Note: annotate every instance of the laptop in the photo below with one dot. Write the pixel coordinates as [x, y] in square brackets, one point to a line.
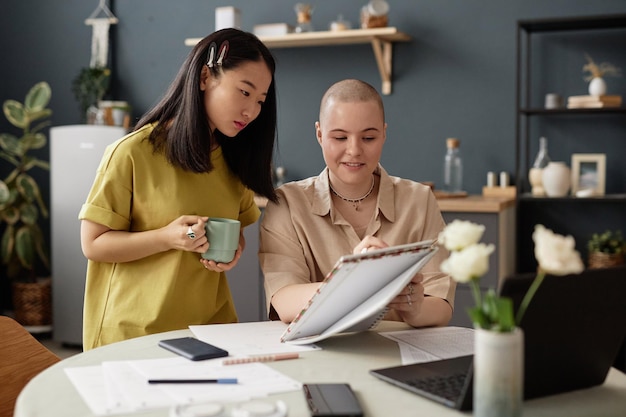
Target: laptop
[573, 330]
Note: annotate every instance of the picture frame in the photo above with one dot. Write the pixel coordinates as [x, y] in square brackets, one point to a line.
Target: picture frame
[588, 173]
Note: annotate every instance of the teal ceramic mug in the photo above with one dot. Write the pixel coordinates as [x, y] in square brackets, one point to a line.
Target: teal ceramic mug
[223, 237]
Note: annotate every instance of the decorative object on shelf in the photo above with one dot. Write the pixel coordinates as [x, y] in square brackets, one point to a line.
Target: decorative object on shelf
[227, 17]
[585, 102]
[535, 174]
[492, 189]
[374, 14]
[273, 29]
[340, 24]
[303, 17]
[113, 113]
[452, 167]
[606, 249]
[597, 85]
[556, 179]
[588, 174]
[553, 101]
[24, 250]
[498, 340]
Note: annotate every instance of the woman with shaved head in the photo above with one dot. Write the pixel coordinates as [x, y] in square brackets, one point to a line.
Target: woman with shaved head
[353, 205]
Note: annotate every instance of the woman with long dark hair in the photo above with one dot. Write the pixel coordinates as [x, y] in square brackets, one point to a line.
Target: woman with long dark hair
[202, 151]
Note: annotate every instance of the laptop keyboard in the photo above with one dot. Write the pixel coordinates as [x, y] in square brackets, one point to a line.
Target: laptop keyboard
[448, 386]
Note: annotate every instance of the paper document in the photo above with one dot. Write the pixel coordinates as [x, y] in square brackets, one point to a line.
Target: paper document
[120, 387]
[427, 345]
[241, 339]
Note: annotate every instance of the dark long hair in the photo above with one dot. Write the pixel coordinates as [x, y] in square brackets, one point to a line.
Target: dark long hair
[183, 129]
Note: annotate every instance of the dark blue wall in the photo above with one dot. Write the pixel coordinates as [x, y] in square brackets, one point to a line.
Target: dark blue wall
[455, 78]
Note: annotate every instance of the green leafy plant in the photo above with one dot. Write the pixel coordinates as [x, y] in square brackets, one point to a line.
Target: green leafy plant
[90, 85]
[20, 198]
[611, 242]
[469, 260]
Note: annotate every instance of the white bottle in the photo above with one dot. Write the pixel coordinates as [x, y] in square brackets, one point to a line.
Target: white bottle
[453, 167]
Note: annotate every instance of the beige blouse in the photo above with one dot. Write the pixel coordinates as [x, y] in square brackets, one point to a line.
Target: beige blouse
[303, 236]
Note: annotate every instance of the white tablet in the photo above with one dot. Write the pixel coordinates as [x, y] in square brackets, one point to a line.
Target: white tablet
[355, 294]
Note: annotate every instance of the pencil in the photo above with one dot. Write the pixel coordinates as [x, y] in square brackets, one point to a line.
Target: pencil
[266, 358]
[194, 381]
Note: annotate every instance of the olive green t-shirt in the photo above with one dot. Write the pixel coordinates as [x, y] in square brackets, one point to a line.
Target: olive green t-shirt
[136, 190]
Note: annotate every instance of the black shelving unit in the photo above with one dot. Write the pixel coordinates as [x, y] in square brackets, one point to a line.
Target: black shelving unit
[566, 215]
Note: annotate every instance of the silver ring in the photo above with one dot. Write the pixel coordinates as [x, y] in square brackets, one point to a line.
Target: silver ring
[411, 290]
[363, 250]
[408, 298]
[190, 234]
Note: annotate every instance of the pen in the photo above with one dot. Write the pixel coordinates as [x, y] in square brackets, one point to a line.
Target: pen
[193, 381]
[266, 358]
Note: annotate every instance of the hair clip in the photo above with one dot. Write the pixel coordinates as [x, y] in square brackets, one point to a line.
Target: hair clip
[211, 57]
[223, 50]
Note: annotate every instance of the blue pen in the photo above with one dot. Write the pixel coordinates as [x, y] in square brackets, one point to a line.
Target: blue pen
[193, 381]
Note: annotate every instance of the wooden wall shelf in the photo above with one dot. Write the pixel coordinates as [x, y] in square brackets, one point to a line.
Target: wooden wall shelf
[381, 39]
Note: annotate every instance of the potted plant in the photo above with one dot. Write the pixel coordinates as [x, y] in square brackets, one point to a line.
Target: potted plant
[23, 248]
[89, 88]
[606, 249]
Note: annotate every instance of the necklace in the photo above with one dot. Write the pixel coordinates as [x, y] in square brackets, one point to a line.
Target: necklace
[354, 201]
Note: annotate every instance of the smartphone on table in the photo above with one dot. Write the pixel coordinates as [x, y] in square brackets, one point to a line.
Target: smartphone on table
[332, 400]
[192, 348]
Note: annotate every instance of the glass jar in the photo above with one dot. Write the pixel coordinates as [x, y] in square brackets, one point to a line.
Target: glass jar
[453, 167]
[303, 17]
[374, 14]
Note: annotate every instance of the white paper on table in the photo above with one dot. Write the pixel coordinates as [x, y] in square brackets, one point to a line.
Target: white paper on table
[90, 384]
[427, 345]
[254, 380]
[243, 339]
[126, 388]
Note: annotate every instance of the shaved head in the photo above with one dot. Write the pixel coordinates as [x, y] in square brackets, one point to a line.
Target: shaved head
[349, 91]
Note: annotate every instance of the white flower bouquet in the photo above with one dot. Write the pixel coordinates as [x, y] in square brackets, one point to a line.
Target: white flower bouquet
[469, 260]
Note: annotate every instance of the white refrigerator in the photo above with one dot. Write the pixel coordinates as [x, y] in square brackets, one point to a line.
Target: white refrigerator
[75, 153]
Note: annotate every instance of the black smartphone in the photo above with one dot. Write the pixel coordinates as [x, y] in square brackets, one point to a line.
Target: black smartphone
[192, 348]
[336, 400]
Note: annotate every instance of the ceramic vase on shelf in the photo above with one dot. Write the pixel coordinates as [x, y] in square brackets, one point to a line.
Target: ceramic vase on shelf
[535, 174]
[556, 179]
[498, 373]
[597, 86]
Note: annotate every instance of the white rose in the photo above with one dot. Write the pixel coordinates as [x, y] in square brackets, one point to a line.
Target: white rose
[460, 234]
[469, 263]
[555, 253]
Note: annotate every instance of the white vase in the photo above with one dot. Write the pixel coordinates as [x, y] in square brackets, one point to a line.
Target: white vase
[535, 177]
[498, 373]
[556, 179]
[597, 86]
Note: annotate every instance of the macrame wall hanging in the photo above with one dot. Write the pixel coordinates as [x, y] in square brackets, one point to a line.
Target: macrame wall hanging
[101, 20]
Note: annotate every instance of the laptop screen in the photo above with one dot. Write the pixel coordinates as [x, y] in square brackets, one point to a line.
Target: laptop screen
[573, 328]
